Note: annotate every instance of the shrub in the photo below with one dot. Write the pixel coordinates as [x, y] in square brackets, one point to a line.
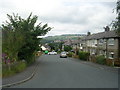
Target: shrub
[20, 67]
[101, 59]
[67, 48]
[70, 54]
[84, 56]
[75, 56]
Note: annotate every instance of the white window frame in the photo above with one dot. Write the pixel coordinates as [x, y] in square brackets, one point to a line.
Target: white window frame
[111, 44]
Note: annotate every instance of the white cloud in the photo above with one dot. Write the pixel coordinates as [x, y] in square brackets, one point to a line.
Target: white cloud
[66, 16]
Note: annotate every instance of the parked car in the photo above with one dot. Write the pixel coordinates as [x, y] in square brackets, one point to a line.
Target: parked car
[63, 55]
[52, 53]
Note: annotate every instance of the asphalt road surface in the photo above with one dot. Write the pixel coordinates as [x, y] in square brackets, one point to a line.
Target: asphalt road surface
[56, 72]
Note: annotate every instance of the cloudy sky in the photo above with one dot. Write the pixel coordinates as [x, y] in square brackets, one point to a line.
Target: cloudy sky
[66, 16]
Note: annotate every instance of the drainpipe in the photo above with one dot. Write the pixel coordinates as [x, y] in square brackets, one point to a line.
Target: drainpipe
[107, 48]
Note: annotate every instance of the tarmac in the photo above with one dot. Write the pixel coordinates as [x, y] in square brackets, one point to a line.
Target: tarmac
[30, 71]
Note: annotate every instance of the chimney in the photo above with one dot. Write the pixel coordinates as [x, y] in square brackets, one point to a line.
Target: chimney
[88, 33]
[107, 29]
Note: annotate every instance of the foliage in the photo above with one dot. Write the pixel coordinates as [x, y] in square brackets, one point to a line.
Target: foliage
[70, 54]
[20, 37]
[56, 46]
[15, 68]
[19, 67]
[100, 59]
[6, 73]
[116, 24]
[84, 55]
[52, 46]
[67, 48]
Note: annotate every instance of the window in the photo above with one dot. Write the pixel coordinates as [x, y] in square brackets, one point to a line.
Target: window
[101, 41]
[94, 43]
[93, 51]
[101, 52]
[111, 41]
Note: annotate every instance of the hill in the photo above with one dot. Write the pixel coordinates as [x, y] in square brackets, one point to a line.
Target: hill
[61, 37]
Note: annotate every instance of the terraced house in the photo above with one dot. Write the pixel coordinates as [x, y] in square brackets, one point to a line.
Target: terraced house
[106, 43]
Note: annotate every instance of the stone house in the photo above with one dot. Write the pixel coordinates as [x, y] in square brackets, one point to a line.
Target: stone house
[105, 43]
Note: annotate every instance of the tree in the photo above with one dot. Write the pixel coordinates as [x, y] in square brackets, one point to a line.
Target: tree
[20, 36]
[116, 24]
[67, 48]
[13, 38]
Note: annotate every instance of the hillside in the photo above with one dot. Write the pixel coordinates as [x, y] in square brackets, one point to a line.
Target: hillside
[61, 37]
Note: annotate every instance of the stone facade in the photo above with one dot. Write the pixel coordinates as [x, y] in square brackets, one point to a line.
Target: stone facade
[105, 43]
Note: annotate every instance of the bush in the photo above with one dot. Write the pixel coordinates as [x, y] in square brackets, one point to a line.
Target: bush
[67, 48]
[70, 54]
[84, 56]
[101, 59]
[20, 67]
[75, 56]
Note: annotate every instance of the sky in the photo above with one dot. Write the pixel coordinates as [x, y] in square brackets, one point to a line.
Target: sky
[65, 16]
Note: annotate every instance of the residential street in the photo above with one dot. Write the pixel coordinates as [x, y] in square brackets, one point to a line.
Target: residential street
[56, 72]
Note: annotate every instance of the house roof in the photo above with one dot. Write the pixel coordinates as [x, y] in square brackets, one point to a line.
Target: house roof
[102, 35]
[68, 42]
[75, 41]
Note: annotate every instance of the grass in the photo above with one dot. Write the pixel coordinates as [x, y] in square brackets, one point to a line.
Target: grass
[15, 68]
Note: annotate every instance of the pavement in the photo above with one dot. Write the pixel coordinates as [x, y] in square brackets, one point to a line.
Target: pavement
[30, 71]
[105, 67]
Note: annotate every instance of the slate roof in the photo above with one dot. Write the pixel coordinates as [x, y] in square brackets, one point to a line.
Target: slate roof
[75, 41]
[102, 35]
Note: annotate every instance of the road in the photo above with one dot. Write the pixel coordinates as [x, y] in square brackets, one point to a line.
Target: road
[55, 72]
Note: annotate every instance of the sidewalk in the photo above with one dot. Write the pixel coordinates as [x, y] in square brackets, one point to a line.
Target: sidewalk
[105, 67]
[21, 77]
[99, 66]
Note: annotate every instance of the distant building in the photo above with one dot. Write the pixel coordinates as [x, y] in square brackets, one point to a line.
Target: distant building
[43, 48]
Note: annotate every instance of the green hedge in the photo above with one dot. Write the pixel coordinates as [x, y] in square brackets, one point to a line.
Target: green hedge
[84, 55]
[101, 59]
[70, 54]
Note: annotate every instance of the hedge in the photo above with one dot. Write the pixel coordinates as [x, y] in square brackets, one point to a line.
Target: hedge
[101, 59]
[84, 55]
[70, 54]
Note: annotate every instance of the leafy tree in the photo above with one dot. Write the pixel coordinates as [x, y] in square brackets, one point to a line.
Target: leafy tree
[52, 46]
[20, 36]
[67, 48]
[116, 24]
[55, 45]
[13, 38]
[60, 45]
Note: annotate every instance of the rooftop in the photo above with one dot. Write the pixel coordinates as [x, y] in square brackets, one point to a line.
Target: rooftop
[102, 35]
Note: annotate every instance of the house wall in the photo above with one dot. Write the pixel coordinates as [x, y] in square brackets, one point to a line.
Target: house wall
[113, 48]
[101, 48]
